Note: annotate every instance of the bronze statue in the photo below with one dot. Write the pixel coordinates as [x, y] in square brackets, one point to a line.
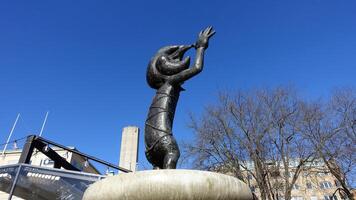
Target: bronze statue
[166, 73]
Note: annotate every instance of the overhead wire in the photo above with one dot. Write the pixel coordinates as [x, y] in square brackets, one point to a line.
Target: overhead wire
[12, 141]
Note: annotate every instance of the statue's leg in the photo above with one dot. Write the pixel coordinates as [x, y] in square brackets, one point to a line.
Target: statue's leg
[154, 152]
[170, 160]
[164, 154]
[172, 152]
[152, 157]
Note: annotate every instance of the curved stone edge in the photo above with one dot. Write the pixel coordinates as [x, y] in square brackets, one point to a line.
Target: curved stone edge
[169, 185]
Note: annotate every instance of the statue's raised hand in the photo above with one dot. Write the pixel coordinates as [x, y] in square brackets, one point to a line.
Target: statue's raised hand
[204, 36]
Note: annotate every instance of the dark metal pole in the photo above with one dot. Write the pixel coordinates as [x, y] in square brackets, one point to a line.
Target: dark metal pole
[14, 183]
[27, 149]
[84, 155]
[59, 161]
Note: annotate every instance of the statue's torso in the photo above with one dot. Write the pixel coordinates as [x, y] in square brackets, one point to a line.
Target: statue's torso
[161, 113]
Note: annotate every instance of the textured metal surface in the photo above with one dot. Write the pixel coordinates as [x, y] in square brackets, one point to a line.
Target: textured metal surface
[166, 72]
[42, 183]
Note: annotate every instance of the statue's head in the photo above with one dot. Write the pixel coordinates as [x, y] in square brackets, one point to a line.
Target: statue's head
[168, 61]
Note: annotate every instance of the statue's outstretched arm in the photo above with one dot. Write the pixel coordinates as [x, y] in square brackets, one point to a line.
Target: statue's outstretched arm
[192, 71]
[200, 46]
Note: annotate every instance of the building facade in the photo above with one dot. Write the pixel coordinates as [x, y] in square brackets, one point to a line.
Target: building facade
[313, 183]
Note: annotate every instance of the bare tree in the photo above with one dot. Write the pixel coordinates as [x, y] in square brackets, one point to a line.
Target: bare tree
[331, 129]
[254, 135]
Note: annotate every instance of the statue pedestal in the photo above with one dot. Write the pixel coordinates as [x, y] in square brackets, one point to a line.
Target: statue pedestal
[169, 185]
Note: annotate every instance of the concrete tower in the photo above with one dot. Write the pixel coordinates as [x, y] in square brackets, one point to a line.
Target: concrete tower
[129, 148]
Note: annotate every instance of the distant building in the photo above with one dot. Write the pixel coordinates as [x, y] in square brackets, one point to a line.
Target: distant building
[129, 148]
[39, 159]
[314, 183]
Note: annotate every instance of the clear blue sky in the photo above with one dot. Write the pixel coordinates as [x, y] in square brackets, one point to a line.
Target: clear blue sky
[85, 61]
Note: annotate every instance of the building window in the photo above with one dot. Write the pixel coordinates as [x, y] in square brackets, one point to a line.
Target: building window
[295, 187]
[309, 186]
[289, 174]
[275, 172]
[253, 188]
[78, 165]
[337, 183]
[316, 163]
[296, 198]
[325, 185]
[47, 163]
[323, 174]
[330, 197]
